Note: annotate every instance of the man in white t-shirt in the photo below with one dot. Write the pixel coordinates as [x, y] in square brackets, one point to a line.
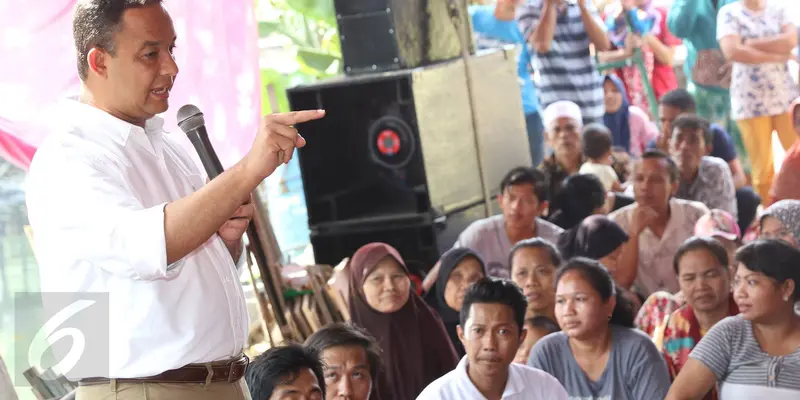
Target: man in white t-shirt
[491, 330]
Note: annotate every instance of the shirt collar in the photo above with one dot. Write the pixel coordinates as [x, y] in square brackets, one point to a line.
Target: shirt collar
[512, 385]
[118, 130]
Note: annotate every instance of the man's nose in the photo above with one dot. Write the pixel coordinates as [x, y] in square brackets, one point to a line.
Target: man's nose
[490, 342]
[345, 388]
[169, 66]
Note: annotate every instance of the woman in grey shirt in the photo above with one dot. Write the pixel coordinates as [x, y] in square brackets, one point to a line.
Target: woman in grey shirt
[598, 355]
[756, 354]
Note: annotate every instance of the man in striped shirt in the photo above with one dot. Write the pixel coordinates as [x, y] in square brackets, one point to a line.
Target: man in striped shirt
[560, 33]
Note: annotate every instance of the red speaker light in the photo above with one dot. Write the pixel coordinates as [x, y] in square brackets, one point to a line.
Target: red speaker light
[388, 142]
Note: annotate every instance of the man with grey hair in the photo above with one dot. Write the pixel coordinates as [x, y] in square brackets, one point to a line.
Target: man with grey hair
[562, 124]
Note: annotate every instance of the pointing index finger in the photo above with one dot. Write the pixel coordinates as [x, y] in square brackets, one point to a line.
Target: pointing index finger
[297, 117]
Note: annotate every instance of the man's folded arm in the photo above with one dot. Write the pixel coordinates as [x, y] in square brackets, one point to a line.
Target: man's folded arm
[85, 212]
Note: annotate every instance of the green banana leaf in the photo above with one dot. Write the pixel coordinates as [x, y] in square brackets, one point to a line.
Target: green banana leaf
[316, 9]
[317, 59]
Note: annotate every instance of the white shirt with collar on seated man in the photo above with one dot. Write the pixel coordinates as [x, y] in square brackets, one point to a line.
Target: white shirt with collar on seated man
[492, 330]
[117, 206]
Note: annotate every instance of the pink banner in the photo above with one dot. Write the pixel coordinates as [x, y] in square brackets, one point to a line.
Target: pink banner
[217, 53]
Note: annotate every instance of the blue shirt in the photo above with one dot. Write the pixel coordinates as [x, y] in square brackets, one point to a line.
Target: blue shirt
[722, 146]
[490, 33]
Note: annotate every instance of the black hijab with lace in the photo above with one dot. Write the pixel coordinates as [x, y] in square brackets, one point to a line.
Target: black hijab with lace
[595, 237]
[450, 317]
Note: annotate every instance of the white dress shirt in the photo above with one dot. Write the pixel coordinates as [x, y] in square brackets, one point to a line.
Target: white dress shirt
[524, 383]
[96, 194]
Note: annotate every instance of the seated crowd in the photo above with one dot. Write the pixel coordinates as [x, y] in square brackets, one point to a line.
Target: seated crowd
[636, 262]
[662, 298]
[653, 280]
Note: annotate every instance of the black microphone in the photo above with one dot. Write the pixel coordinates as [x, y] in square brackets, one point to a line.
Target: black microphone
[192, 123]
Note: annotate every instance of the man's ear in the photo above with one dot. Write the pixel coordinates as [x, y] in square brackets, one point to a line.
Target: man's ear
[460, 333]
[544, 208]
[675, 187]
[788, 288]
[97, 59]
[709, 148]
[523, 335]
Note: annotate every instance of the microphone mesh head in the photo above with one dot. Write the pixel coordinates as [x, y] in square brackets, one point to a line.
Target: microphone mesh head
[190, 118]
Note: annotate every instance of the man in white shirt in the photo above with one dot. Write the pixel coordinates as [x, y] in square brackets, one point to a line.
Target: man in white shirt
[118, 207]
[491, 330]
[291, 372]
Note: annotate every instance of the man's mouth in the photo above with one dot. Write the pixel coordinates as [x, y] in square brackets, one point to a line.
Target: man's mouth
[161, 92]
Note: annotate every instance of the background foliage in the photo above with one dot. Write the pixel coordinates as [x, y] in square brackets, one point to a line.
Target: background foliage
[306, 31]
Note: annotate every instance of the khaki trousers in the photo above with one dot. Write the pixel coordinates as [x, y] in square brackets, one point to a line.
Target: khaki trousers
[165, 391]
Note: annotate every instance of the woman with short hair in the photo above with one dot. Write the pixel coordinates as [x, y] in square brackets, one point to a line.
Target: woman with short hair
[756, 354]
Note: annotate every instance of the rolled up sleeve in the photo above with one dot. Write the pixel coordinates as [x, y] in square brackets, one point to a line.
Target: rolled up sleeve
[82, 211]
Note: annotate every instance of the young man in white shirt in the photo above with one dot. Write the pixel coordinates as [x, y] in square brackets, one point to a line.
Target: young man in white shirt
[117, 206]
[291, 372]
[491, 330]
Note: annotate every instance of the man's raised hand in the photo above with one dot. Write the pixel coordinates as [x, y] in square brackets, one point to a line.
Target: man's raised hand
[276, 140]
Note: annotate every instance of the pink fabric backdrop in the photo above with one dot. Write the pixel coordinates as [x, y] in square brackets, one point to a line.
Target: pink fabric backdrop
[217, 53]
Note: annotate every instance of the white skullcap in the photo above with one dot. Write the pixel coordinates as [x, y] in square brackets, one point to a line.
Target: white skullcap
[562, 109]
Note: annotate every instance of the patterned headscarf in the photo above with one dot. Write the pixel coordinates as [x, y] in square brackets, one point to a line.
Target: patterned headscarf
[788, 212]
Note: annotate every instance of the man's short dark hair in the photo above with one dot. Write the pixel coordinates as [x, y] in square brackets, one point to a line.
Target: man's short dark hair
[346, 334]
[495, 291]
[596, 140]
[536, 243]
[94, 24]
[672, 168]
[533, 176]
[680, 99]
[694, 122]
[280, 365]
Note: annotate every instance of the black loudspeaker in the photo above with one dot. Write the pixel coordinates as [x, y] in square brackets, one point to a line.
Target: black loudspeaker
[384, 35]
[420, 240]
[395, 158]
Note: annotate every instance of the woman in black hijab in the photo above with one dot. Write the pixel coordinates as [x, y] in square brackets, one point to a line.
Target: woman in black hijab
[459, 268]
[580, 196]
[597, 238]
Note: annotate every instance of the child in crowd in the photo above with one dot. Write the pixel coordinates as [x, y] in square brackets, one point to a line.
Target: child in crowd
[537, 328]
[597, 150]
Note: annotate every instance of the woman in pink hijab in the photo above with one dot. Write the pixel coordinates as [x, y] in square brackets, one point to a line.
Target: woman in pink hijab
[382, 301]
